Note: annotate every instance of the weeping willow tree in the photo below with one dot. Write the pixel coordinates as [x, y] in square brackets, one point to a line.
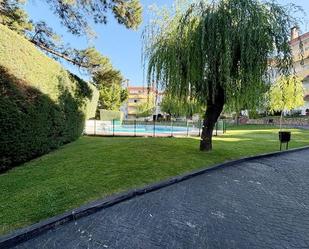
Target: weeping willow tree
[286, 94]
[219, 53]
[175, 107]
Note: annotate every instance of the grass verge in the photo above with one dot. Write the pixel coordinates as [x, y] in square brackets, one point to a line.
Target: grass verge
[95, 167]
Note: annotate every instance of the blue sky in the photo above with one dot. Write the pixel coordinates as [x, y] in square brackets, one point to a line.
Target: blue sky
[121, 45]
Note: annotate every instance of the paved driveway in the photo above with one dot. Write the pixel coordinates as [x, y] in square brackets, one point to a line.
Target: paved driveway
[259, 204]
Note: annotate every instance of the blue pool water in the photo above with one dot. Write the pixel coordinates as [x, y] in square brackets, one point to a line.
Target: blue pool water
[150, 129]
[98, 127]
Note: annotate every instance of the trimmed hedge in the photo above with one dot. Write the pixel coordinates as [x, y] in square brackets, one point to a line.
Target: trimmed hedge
[42, 106]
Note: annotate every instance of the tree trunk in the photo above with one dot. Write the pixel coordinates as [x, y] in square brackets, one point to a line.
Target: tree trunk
[237, 118]
[213, 111]
[281, 117]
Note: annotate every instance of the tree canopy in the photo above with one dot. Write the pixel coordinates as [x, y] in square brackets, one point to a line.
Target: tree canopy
[13, 16]
[219, 52]
[176, 107]
[146, 109]
[109, 83]
[286, 94]
[75, 15]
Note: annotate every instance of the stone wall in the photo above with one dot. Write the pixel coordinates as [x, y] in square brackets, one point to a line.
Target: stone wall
[304, 121]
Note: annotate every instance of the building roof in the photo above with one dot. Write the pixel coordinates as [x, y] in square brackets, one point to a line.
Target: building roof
[301, 37]
[139, 87]
[142, 88]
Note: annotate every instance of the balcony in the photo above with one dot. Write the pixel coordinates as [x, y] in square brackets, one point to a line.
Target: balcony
[139, 96]
[133, 104]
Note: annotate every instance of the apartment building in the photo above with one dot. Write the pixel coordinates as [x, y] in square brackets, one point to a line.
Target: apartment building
[301, 62]
[138, 96]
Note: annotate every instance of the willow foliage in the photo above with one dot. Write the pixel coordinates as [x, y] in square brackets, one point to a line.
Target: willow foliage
[286, 94]
[177, 108]
[227, 44]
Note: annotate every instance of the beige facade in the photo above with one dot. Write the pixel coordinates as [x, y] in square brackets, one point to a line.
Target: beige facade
[301, 62]
[137, 97]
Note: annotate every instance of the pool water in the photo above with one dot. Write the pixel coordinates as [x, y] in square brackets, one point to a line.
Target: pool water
[97, 127]
[150, 129]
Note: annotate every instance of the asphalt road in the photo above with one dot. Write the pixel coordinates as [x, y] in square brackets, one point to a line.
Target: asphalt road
[258, 204]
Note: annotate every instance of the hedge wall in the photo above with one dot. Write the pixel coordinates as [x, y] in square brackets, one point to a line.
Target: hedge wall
[42, 106]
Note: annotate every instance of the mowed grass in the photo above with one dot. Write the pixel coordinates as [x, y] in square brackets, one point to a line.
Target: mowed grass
[95, 167]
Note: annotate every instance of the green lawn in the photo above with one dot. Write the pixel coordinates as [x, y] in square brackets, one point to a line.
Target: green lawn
[95, 167]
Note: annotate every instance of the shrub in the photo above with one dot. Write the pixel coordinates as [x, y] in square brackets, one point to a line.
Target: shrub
[108, 115]
[42, 106]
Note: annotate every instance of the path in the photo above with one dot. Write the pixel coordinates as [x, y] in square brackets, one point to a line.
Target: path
[258, 204]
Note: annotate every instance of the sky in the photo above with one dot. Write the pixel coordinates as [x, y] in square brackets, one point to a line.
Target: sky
[121, 45]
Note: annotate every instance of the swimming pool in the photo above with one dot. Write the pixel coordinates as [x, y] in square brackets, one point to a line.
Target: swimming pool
[96, 127]
[149, 128]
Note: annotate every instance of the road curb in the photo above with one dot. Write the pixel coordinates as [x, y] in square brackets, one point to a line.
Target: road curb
[24, 234]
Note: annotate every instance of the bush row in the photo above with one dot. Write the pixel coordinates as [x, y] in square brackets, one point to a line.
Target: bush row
[42, 106]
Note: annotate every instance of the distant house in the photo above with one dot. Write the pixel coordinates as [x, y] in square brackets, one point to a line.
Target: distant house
[301, 62]
[138, 95]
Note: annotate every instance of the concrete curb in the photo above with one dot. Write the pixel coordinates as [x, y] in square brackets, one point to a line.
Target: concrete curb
[24, 234]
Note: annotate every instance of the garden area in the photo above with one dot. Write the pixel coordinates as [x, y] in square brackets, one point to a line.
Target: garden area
[219, 84]
[95, 167]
